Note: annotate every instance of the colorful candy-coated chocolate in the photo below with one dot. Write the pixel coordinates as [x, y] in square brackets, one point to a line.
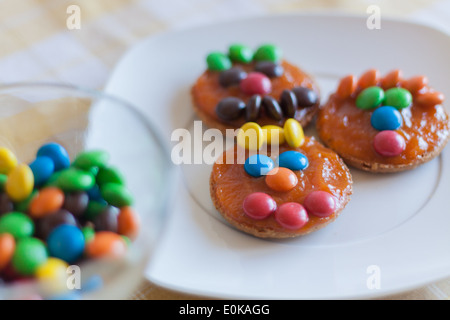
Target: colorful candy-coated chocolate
[8, 160]
[415, 84]
[240, 53]
[250, 136]
[288, 103]
[256, 83]
[386, 118]
[47, 201]
[6, 205]
[107, 219]
[273, 135]
[258, 165]
[430, 98]
[53, 275]
[29, 255]
[270, 69]
[268, 52]
[306, 97]
[45, 225]
[42, 168]
[281, 179]
[57, 153]
[293, 160]
[346, 87]
[76, 202]
[392, 79]
[66, 242]
[253, 108]
[116, 195]
[20, 182]
[7, 246]
[128, 222]
[320, 203]
[232, 76]
[217, 61]
[293, 133]
[397, 97]
[91, 158]
[369, 78]
[17, 224]
[74, 179]
[389, 143]
[259, 205]
[106, 244]
[370, 98]
[88, 233]
[230, 108]
[291, 215]
[272, 108]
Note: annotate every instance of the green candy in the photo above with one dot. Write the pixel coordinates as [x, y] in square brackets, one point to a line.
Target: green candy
[398, 98]
[218, 61]
[116, 195]
[30, 254]
[268, 52]
[88, 233]
[91, 159]
[18, 224]
[94, 208]
[240, 53]
[370, 98]
[109, 175]
[73, 179]
[3, 178]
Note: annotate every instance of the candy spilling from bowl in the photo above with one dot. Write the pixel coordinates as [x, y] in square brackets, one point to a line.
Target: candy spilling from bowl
[55, 212]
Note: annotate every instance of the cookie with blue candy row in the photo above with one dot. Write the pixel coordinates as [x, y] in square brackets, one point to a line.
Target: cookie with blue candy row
[260, 86]
[384, 124]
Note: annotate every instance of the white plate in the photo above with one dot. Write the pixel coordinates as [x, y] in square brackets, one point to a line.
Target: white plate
[395, 233]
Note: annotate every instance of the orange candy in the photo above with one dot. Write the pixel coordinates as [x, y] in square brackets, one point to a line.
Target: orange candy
[7, 246]
[415, 84]
[392, 79]
[346, 87]
[47, 201]
[106, 244]
[369, 78]
[281, 179]
[128, 222]
[430, 98]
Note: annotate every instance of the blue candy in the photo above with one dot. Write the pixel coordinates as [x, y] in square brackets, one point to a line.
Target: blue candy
[66, 242]
[57, 153]
[386, 118]
[293, 160]
[258, 165]
[42, 168]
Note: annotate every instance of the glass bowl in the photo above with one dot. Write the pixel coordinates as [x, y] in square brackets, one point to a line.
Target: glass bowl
[32, 114]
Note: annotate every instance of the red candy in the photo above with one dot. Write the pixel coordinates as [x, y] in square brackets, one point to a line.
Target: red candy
[291, 215]
[389, 143]
[256, 83]
[259, 205]
[320, 203]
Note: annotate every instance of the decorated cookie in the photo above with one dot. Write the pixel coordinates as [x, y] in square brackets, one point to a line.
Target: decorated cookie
[260, 86]
[280, 185]
[384, 124]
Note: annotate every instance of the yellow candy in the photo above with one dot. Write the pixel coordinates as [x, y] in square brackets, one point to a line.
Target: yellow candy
[250, 136]
[8, 160]
[273, 135]
[20, 183]
[53, 275]
[293, 133]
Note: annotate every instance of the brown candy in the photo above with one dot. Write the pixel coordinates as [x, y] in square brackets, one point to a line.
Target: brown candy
[230, 108]
[305, 97]
[288, 103]
[45, 225]
[107, 219]
[6, 205]
[76, 203]
[272, 108]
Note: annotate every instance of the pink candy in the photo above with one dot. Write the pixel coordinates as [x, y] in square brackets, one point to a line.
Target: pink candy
[320, 203]
[259, 205]
[291, 215]
[389, 143]
[256, 83]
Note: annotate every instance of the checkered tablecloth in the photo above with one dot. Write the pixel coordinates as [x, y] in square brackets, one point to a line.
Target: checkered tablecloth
[41, 41]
